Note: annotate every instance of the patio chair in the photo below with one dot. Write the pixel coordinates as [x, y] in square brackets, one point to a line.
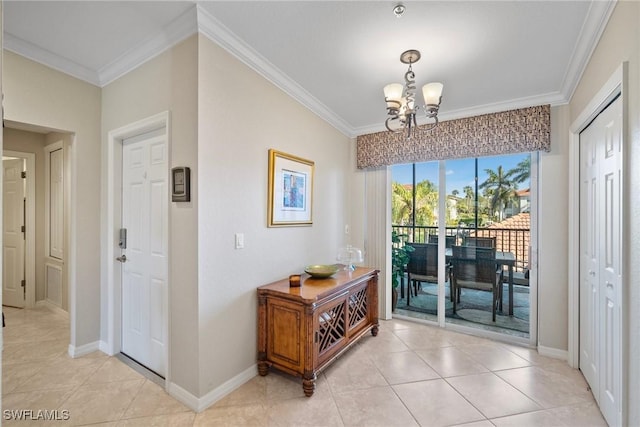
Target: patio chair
[423, 267]
[449, 240]
[474, 267]
[483, 242]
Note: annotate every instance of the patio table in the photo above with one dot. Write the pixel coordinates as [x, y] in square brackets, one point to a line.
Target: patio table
[502, 258]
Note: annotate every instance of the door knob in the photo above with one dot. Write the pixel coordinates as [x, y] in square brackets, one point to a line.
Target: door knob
[122, 258]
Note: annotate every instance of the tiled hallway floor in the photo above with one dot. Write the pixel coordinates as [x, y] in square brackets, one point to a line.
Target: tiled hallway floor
[410, 374]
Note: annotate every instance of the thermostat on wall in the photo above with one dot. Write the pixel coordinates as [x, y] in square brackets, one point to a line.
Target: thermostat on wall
[181, 185]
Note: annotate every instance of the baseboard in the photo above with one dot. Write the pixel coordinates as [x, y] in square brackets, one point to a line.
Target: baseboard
[83, 350]
[553, 352]
[103, 346]
[202, 403]
[52, 307]
[227, 387]
[182, 395]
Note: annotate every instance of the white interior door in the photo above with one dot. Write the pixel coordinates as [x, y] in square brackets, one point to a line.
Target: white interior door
[589, 289]
[144, 272]
[13, 243]
[600, 264]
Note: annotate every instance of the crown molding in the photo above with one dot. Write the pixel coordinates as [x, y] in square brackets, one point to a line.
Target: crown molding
[214, 30]
[592, 29]
[172, 34]
[197, 19]
[49, 59]
[176, 31]
[553, 99]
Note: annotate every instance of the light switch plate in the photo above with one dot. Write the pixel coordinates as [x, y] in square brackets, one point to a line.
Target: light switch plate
[239, 240]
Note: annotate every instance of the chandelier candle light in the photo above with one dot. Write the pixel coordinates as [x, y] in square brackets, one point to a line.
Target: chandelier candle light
[401, 100]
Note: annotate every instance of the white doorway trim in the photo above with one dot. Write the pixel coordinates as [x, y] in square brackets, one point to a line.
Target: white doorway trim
[113, 223]
[615, 85]
[30, 213]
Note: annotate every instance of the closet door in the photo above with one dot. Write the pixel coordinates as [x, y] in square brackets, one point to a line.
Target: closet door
[589, 288]
[600, 259]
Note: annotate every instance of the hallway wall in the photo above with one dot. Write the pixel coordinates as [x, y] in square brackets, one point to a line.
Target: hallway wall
[234, 137]
[166, 83]
[38, 95]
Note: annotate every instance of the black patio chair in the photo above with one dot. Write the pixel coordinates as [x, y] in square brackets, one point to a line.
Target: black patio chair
[474, 267]
[423, 267]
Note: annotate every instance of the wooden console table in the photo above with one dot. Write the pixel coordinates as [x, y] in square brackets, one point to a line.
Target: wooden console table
[303, 329]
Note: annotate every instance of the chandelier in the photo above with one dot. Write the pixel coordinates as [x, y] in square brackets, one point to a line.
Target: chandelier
[401, 100]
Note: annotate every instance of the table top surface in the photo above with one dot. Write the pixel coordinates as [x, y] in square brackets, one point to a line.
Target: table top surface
[506, 258]
[312, 289]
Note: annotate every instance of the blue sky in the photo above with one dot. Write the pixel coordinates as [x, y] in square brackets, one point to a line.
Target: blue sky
[460, 172]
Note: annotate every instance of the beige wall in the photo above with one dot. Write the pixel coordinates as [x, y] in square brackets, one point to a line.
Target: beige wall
[241, 116]
[209, 114]
[552, 236]
[38, 95]
[621, 42]
[31, 142]
[167, 83]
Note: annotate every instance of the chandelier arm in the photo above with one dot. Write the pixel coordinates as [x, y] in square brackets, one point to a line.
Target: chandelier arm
[395, 108]
[389, 128]
[432, 125]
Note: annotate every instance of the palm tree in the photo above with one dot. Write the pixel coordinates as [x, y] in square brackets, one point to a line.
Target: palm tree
[468, 196]
[426, 202]
[522, 171]
[402, 204]
[500, 189]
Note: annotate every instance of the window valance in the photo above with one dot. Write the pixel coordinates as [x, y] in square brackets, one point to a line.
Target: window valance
[507, 132]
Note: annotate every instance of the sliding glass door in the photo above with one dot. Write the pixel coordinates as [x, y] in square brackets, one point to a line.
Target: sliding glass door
[415, 192]
[486, 201]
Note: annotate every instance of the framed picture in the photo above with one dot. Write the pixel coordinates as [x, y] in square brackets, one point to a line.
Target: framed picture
[290, 190]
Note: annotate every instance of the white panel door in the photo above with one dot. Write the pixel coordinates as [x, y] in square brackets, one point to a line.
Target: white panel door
[13, 237]
[610, 273]
[589, 288]
[601, 266]
[56, 204]
[144, 273]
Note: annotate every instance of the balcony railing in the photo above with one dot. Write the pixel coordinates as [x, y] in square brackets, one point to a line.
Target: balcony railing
[514, 240]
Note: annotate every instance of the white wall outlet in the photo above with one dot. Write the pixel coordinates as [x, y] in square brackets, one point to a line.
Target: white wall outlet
[346, 229]
[239, 240]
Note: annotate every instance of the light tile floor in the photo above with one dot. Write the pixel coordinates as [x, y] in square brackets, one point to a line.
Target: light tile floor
[410, 374]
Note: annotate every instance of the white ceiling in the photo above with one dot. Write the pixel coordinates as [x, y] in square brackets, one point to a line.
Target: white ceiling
[334, 57]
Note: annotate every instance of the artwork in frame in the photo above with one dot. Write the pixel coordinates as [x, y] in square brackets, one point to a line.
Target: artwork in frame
[290, 190]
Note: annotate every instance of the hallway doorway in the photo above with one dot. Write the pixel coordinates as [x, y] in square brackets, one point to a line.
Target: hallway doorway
[38, 212]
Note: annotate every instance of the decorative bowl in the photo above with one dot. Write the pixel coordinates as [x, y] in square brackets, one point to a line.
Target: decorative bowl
[321, 271]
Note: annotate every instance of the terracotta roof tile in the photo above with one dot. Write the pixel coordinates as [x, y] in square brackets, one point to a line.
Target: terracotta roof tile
[512, 235]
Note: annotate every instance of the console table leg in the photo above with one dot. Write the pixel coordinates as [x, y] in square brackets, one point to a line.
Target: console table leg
[263, 368]
[309, 385]
[374, 330]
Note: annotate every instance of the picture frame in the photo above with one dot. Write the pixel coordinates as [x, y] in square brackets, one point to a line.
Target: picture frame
[290, 190]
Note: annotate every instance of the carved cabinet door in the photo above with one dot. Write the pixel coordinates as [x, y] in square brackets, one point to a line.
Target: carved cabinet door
[330, 325]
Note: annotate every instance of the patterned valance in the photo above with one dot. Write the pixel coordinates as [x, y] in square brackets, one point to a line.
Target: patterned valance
[507, 132]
